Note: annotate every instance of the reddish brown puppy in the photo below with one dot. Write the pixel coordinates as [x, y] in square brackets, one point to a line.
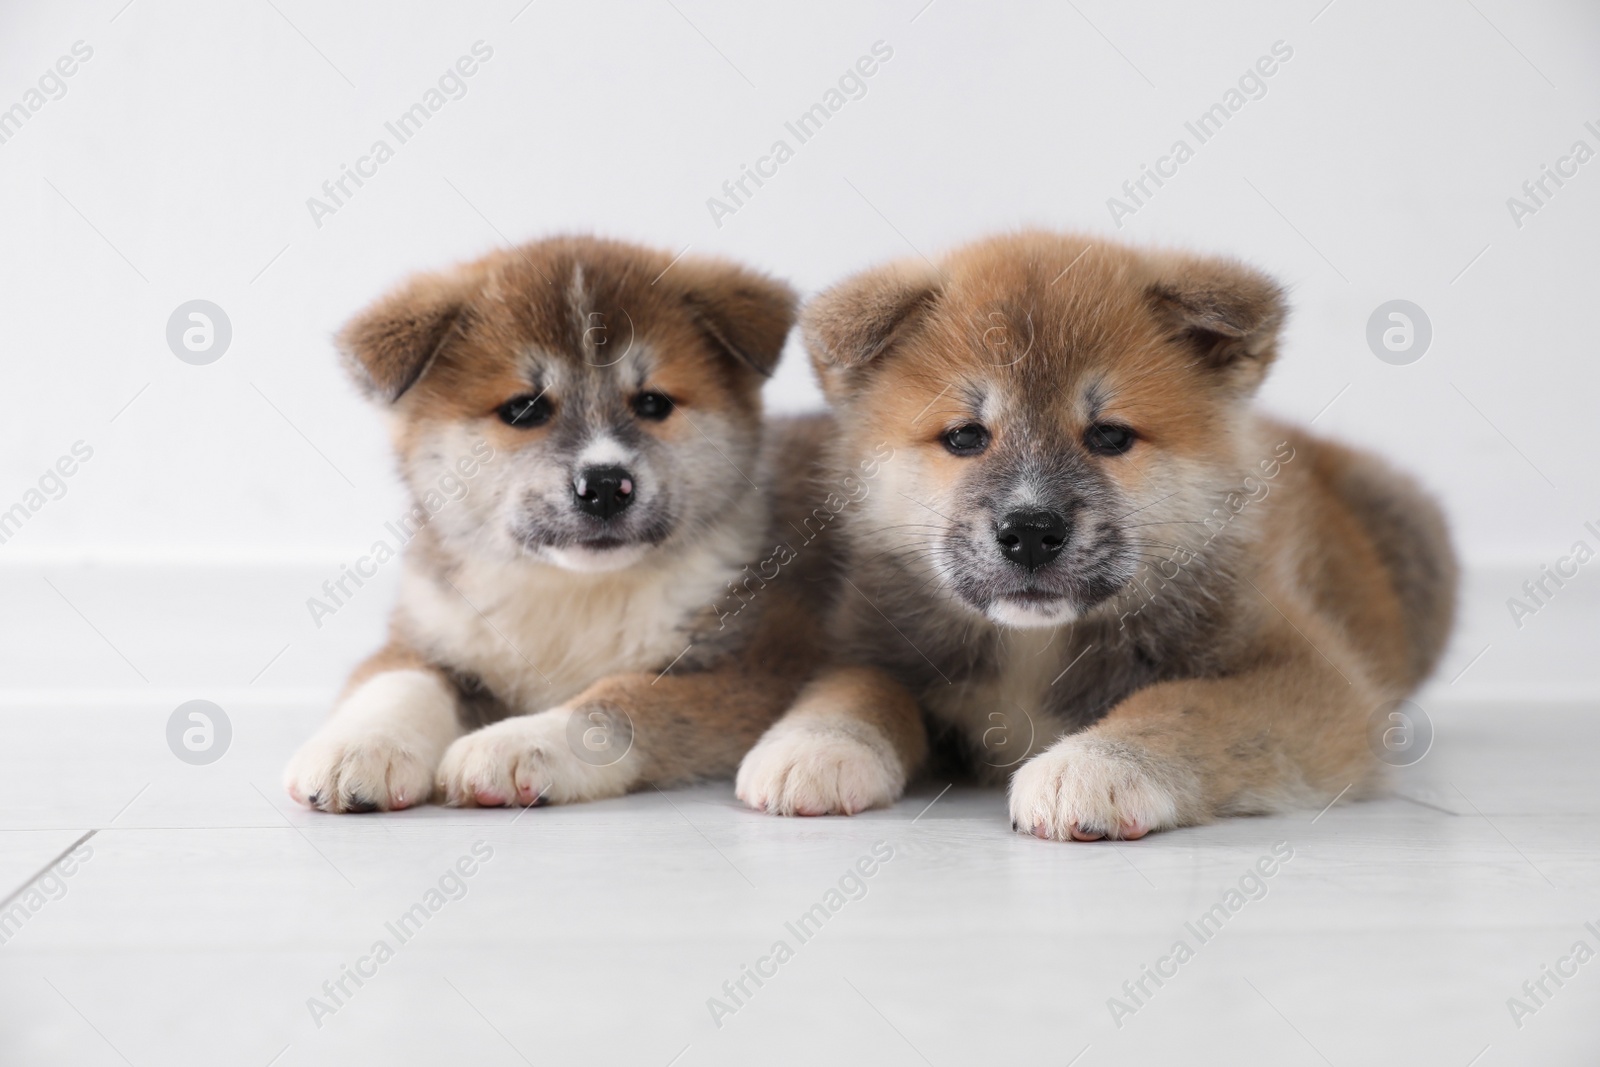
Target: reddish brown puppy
[1091, 567]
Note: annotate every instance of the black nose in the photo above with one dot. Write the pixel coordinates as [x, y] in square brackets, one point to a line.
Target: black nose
[1031, 538]
[602, 491]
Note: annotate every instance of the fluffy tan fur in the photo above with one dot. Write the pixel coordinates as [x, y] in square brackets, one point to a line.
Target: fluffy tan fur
[1236, 598]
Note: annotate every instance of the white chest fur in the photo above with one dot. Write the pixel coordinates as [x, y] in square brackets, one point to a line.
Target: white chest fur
[1004, 712]
[539, 635]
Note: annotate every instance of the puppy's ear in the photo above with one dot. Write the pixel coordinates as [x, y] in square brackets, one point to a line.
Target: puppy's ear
[853, 323]
[745, 314]
[389, 346]
[1228, 313]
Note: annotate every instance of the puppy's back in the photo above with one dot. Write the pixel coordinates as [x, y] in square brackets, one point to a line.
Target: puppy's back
[809, 501]
[1389, 548]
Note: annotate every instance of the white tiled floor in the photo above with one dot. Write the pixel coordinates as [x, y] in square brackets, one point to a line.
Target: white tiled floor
[211, 910]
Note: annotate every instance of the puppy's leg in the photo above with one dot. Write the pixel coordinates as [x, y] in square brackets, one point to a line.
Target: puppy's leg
[623, 733]
[1185, 752]
[386, 735]
[848, 744]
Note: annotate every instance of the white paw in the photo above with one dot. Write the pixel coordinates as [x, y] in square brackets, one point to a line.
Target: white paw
[359, 772]
[540, 759]
[1084, 789]
[378, 751]
[813, 770]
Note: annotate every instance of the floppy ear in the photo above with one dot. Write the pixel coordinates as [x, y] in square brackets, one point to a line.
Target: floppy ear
[389, 346]
[851, 324]
[745, 314]
[1228, 313]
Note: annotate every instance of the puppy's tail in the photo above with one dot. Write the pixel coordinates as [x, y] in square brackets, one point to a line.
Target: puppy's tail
[1412, 540]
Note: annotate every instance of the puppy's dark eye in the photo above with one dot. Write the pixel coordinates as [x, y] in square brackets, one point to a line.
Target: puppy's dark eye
[1109, 439]
[525, 412]
[967, 440]
[653, 406]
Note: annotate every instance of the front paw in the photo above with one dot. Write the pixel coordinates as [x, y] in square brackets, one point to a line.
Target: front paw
[1085, 789]
[358, 770]
[561, 756]
[808, 770]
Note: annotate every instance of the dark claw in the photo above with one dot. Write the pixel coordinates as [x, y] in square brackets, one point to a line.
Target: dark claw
[361, 805]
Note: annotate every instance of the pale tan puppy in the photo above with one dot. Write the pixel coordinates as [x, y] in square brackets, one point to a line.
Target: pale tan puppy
[579, 424]
[1093, 568]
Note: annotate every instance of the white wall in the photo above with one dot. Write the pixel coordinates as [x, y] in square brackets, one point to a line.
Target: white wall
[178, 165]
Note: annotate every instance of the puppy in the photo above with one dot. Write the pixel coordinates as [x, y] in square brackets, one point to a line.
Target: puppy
[579, 425]
[1090, 564]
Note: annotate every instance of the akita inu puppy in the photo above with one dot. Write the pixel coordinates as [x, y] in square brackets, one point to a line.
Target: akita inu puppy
[591, 412]
[1092, 566]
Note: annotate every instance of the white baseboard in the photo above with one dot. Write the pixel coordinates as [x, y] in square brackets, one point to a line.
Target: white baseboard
[78, 631]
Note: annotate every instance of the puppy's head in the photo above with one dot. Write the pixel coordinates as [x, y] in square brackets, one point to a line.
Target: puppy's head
[1062, 411]
[616, 392]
